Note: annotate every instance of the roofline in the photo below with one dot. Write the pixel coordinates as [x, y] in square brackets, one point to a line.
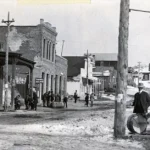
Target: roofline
[17, 55]
[61, 57]
[21, 26]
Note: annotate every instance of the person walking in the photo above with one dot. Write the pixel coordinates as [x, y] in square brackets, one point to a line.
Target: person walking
[48, 98]
[141, 102]
[92, 99]
[44, 96]
[35, 100]
[65, 100]
[75, 96]
[17, 102]
[87, 99]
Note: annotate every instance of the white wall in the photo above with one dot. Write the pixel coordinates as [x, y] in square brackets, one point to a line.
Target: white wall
[72, 86]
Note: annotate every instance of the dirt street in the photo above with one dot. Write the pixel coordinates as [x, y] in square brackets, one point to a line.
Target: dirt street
[76, 128]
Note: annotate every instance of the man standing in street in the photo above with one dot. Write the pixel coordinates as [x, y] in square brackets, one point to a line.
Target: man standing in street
[87, 99]
[35, 99]
[65, 100]
[75, 96]
[92, 99]
[141, 102]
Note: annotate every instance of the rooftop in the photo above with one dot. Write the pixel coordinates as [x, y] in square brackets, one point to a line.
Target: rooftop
[74, 65]
[105, 56]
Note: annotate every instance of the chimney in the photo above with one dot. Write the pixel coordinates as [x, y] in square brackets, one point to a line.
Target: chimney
[41, 21]
[54, 28]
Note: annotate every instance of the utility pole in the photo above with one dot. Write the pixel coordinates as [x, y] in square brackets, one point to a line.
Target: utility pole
[87, 74]
[139, 68]
[7, 22]
[63, 41]
[122, 71]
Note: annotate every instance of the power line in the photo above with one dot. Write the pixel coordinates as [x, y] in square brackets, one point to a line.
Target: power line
[145, 11]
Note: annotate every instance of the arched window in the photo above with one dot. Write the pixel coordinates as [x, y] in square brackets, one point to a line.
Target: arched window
[44, 48]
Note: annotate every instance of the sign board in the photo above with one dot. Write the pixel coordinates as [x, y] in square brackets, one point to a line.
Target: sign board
[39, 80]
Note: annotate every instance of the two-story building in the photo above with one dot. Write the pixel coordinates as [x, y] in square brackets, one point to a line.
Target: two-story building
[38, 43]
[77, 75]
[105, 69]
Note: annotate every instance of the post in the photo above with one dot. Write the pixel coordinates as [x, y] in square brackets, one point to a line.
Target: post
[139, 68]
[13, 83]
[87, 75]
[62, 47]
[8, 22]
[31, 82]
[1, 85]
[122, 71]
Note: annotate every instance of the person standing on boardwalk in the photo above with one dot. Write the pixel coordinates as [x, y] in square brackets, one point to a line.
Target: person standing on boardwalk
[44, 98]
[141, 102]
[35, 100]
[65, 100]
[48, 98]
[92, 99]
[52, 98]
[87, 99]
[75, 96]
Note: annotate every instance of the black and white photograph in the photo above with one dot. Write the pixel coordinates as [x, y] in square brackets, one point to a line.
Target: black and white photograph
[74, 74]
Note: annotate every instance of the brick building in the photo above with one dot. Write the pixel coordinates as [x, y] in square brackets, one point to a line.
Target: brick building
[38, 43]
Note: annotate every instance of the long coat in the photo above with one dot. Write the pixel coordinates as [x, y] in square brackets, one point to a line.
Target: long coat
[141, 102]
[35, 98]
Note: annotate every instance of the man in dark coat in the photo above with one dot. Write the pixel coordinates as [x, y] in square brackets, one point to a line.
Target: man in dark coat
[141, 101]
[35, 100]
[87, 99]
[44, 98]
[75, 96]
[65, 100]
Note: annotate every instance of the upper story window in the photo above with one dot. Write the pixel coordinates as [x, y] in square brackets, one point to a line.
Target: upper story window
[97, 63]
[44, 48]
[53, 52]
[1, 46]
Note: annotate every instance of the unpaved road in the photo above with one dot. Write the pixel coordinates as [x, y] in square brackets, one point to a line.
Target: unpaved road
[75, 128]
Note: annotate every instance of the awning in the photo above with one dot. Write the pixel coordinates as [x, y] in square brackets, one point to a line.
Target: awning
[84, 81]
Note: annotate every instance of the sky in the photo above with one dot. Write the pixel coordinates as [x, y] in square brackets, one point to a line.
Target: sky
[93, 26]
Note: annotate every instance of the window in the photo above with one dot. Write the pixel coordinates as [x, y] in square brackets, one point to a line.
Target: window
[1, 46]
[49, 50]
[47, 55]
[43, 77]
[43, 48]
[146, 77]
[47, 82]
[53, 52]
[101, 63]
[97, 63]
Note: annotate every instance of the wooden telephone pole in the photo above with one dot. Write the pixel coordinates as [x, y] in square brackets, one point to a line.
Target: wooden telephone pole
[122, 71]
[7, 22]
[87, 74]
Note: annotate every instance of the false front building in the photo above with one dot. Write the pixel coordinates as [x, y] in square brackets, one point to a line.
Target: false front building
[37, 43]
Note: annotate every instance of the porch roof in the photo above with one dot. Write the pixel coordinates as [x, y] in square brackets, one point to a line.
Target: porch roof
[19, 60]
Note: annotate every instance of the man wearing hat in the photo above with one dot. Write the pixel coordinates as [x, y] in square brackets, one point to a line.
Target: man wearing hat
[141, 103]
[141, 100]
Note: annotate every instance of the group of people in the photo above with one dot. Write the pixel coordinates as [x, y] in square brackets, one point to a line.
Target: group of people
[88, 97]
[31, 102]
[48, 98]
